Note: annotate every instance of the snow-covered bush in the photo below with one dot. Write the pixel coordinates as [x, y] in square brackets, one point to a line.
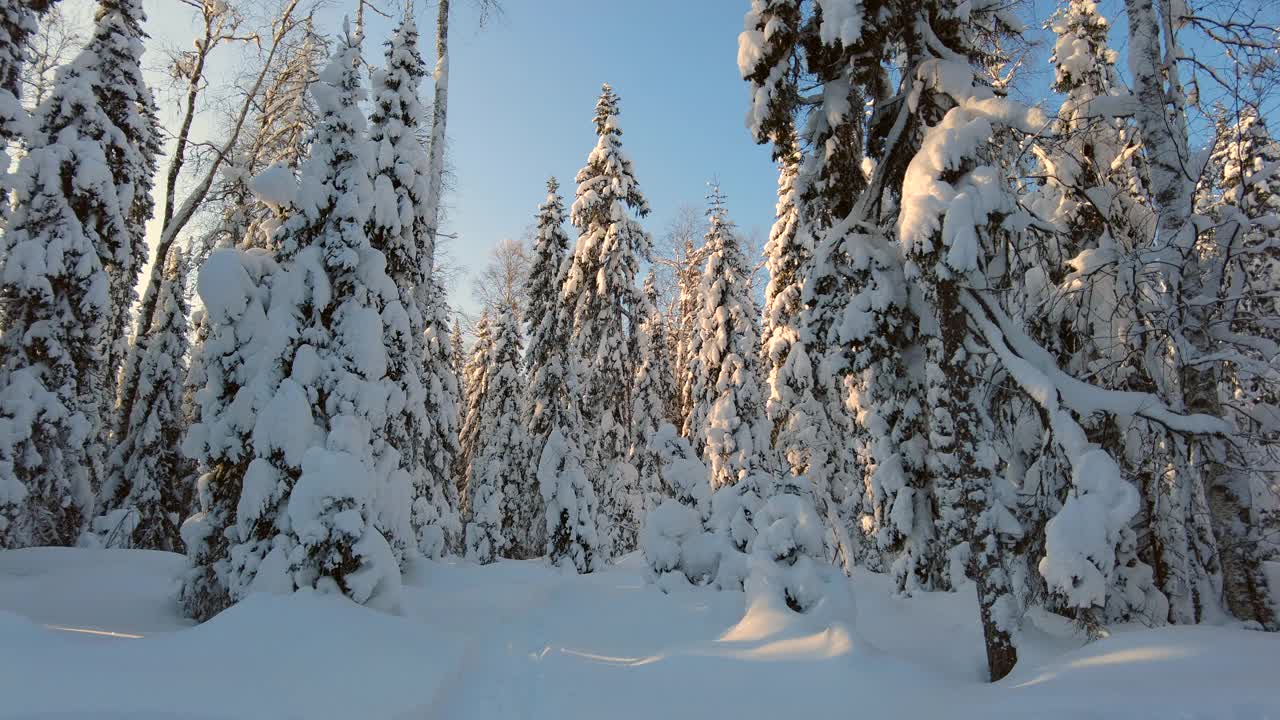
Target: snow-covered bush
[761, 530]
[787, 565]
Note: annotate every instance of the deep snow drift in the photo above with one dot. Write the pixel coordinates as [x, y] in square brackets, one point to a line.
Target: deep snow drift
[95, 634]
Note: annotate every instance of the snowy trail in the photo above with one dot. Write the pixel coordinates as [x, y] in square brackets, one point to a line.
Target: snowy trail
[520, 640]
[503, 651]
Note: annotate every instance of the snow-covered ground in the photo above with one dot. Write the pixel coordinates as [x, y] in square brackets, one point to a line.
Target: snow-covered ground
[95, 634]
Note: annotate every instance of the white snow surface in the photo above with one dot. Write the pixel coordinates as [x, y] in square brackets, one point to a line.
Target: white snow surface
[96, 634]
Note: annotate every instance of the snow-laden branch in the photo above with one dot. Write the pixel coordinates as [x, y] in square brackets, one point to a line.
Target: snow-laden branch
[1082, 397]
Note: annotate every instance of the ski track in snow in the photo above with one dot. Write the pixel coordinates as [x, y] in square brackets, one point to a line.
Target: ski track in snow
[521, 640]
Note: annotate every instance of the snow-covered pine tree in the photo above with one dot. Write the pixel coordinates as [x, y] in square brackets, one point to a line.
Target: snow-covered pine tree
[727, 423]
[498, 486]
[829, 180]
[688, 278]
[654, 386]
[568, 526]
[54, 319]
[473, 374]
[110, 68]
[442, 508]
[399, 229]
[307, 512]
[548, 400]
[235, 367]
[800, 434]
[143, 501]
[598, 298]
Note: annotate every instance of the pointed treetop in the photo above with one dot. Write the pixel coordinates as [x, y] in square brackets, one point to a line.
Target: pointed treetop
[553, 186]
[606, 111]
[717, 212]
[651, 288]
[405, 34]
[407, 24]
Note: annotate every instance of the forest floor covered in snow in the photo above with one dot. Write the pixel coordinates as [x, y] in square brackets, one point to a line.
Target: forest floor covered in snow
[96, 634]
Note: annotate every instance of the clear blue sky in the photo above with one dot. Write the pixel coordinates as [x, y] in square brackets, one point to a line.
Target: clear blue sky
[524, 87]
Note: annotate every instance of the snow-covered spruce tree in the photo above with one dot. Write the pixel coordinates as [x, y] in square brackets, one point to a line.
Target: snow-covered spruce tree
[761, 534]
[498, 487]
[439, 512]
[779, 48]
[473, 374]
[194, 380]
[856, 308]
[598, 298]
[98, 127]
[307, 512]
[110, 68]
[556, 432]
[54, 317]
[697, 536]
[769, 58]
[235, 365]
[399, 229]
[654, 386]
[800, 431]
[678, 550]
[143, 501]
[17, 25]
[688, 277]
[787, 564]
[727, 421]
[548, 400]
[849, 295]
